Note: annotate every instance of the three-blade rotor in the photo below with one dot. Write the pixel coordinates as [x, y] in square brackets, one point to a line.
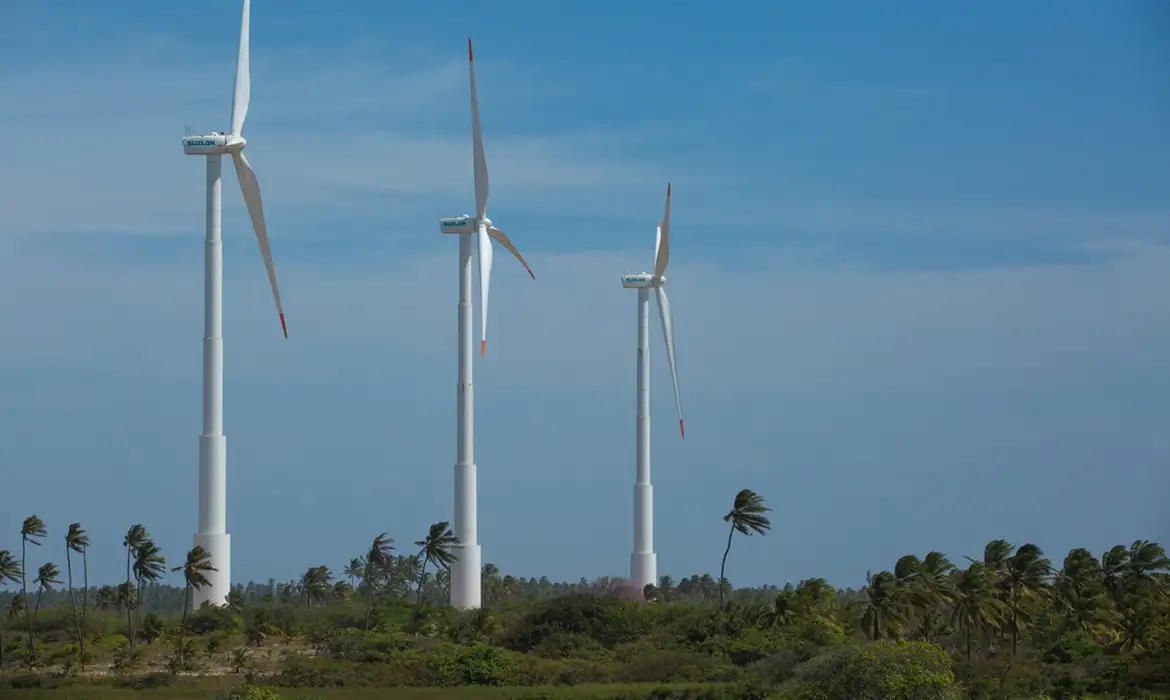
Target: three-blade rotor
[485, 232]
[661, 260]
[249, 185]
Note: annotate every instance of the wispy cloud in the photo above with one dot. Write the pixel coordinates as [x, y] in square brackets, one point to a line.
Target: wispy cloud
[323, 129]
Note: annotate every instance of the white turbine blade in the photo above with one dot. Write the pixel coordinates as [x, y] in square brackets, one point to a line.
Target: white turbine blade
[668, 333]
[503, 239]
[243, 91]
[662, 256]
[485, 283]
[251, 189]
[481, 170]
[657, 242]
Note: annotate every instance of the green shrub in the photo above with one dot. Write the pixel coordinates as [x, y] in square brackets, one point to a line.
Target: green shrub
[884, 670]
[249, 692]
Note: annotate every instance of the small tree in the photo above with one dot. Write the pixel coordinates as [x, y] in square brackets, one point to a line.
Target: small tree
[195, 571]
[746, 516]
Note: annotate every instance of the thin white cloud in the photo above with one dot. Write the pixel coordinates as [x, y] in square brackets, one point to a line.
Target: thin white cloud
[100, 145]
[787, 322]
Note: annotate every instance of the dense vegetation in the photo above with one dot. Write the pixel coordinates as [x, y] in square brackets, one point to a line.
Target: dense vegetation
[1007, 624]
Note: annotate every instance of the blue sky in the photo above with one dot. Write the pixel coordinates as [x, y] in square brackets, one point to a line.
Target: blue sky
[919, 275]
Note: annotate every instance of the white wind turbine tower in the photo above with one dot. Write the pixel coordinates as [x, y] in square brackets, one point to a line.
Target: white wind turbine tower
[465, 572]
[212, 533]
[643, 561]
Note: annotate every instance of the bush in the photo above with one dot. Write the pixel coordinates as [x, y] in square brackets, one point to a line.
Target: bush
[884, 670]
[249, 692]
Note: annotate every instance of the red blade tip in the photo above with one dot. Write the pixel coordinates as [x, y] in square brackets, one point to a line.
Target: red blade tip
[668, 189]
[483, 347]
[681, 430]
[470, 57]
[530, 274]
[282, 326]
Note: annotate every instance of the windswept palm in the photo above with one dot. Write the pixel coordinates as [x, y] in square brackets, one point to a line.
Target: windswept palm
[315, 584]
[746, 516]
[195, 571]
[47, 577]
[885, 605]
[436, 549]
[354, 570]
[77, 542]
[134, 538]
[976, 606]
[32, 531]
[378, 562]
[1025, 574]
[9, 572]
[149, 567]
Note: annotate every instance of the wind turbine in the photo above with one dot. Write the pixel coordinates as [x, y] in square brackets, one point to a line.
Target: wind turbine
[643, 561]
[212, 533]
[465, 572]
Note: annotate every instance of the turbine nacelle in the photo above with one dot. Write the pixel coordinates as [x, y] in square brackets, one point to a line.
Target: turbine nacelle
[461, 224]
[641, 280]
[213, 144]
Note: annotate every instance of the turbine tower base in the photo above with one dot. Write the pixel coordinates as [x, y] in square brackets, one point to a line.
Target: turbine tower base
[220, 548]
[643, 571]
[466, 577]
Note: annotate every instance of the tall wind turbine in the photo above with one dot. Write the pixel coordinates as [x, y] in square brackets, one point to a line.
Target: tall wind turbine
[643, 561]
[212, 534]
[465, 572]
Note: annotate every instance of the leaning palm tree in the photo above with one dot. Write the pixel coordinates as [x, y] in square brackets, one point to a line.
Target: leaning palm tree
[45, 580]
[1025, 574]
[12, 614]
[314, 584]
[746, 516]
[885, 605]
[135, 536]
[195, 571]
[436, 549]
[354, 570]
[32, 531]
[9, 572]
[76, 541]
[378, 562]
[149, 567]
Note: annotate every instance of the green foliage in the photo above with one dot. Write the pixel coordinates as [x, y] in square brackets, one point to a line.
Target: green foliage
[884, 670]
[250, 692]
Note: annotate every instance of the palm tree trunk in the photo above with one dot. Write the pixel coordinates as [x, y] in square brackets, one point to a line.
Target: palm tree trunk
[1015, 620]
[84, 600]
[32, 644]
[72, 600]
[421, 578]
[369, 601]
[183, 624]
[723, 565]
[129, 604]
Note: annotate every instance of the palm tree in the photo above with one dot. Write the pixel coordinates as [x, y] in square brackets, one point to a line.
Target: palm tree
[378, 561]
[1145, 565]
[195, 571]
[315, 584]
[933, 587]
[354, 570]
[16, 608]
[135, 536]
[46, 578]
[10, 570]
[746, 516]
[1081, 593]
[77, 541]
[149, 566]
[436, 549]
[1025, 574]
[976, 605]
[32, 531]
[885, 605]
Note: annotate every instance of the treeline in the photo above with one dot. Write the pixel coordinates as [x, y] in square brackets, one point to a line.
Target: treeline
[1009, 622]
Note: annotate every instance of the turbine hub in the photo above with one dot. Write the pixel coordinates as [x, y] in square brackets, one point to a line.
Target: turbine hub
[236, 143]
[484, 222]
